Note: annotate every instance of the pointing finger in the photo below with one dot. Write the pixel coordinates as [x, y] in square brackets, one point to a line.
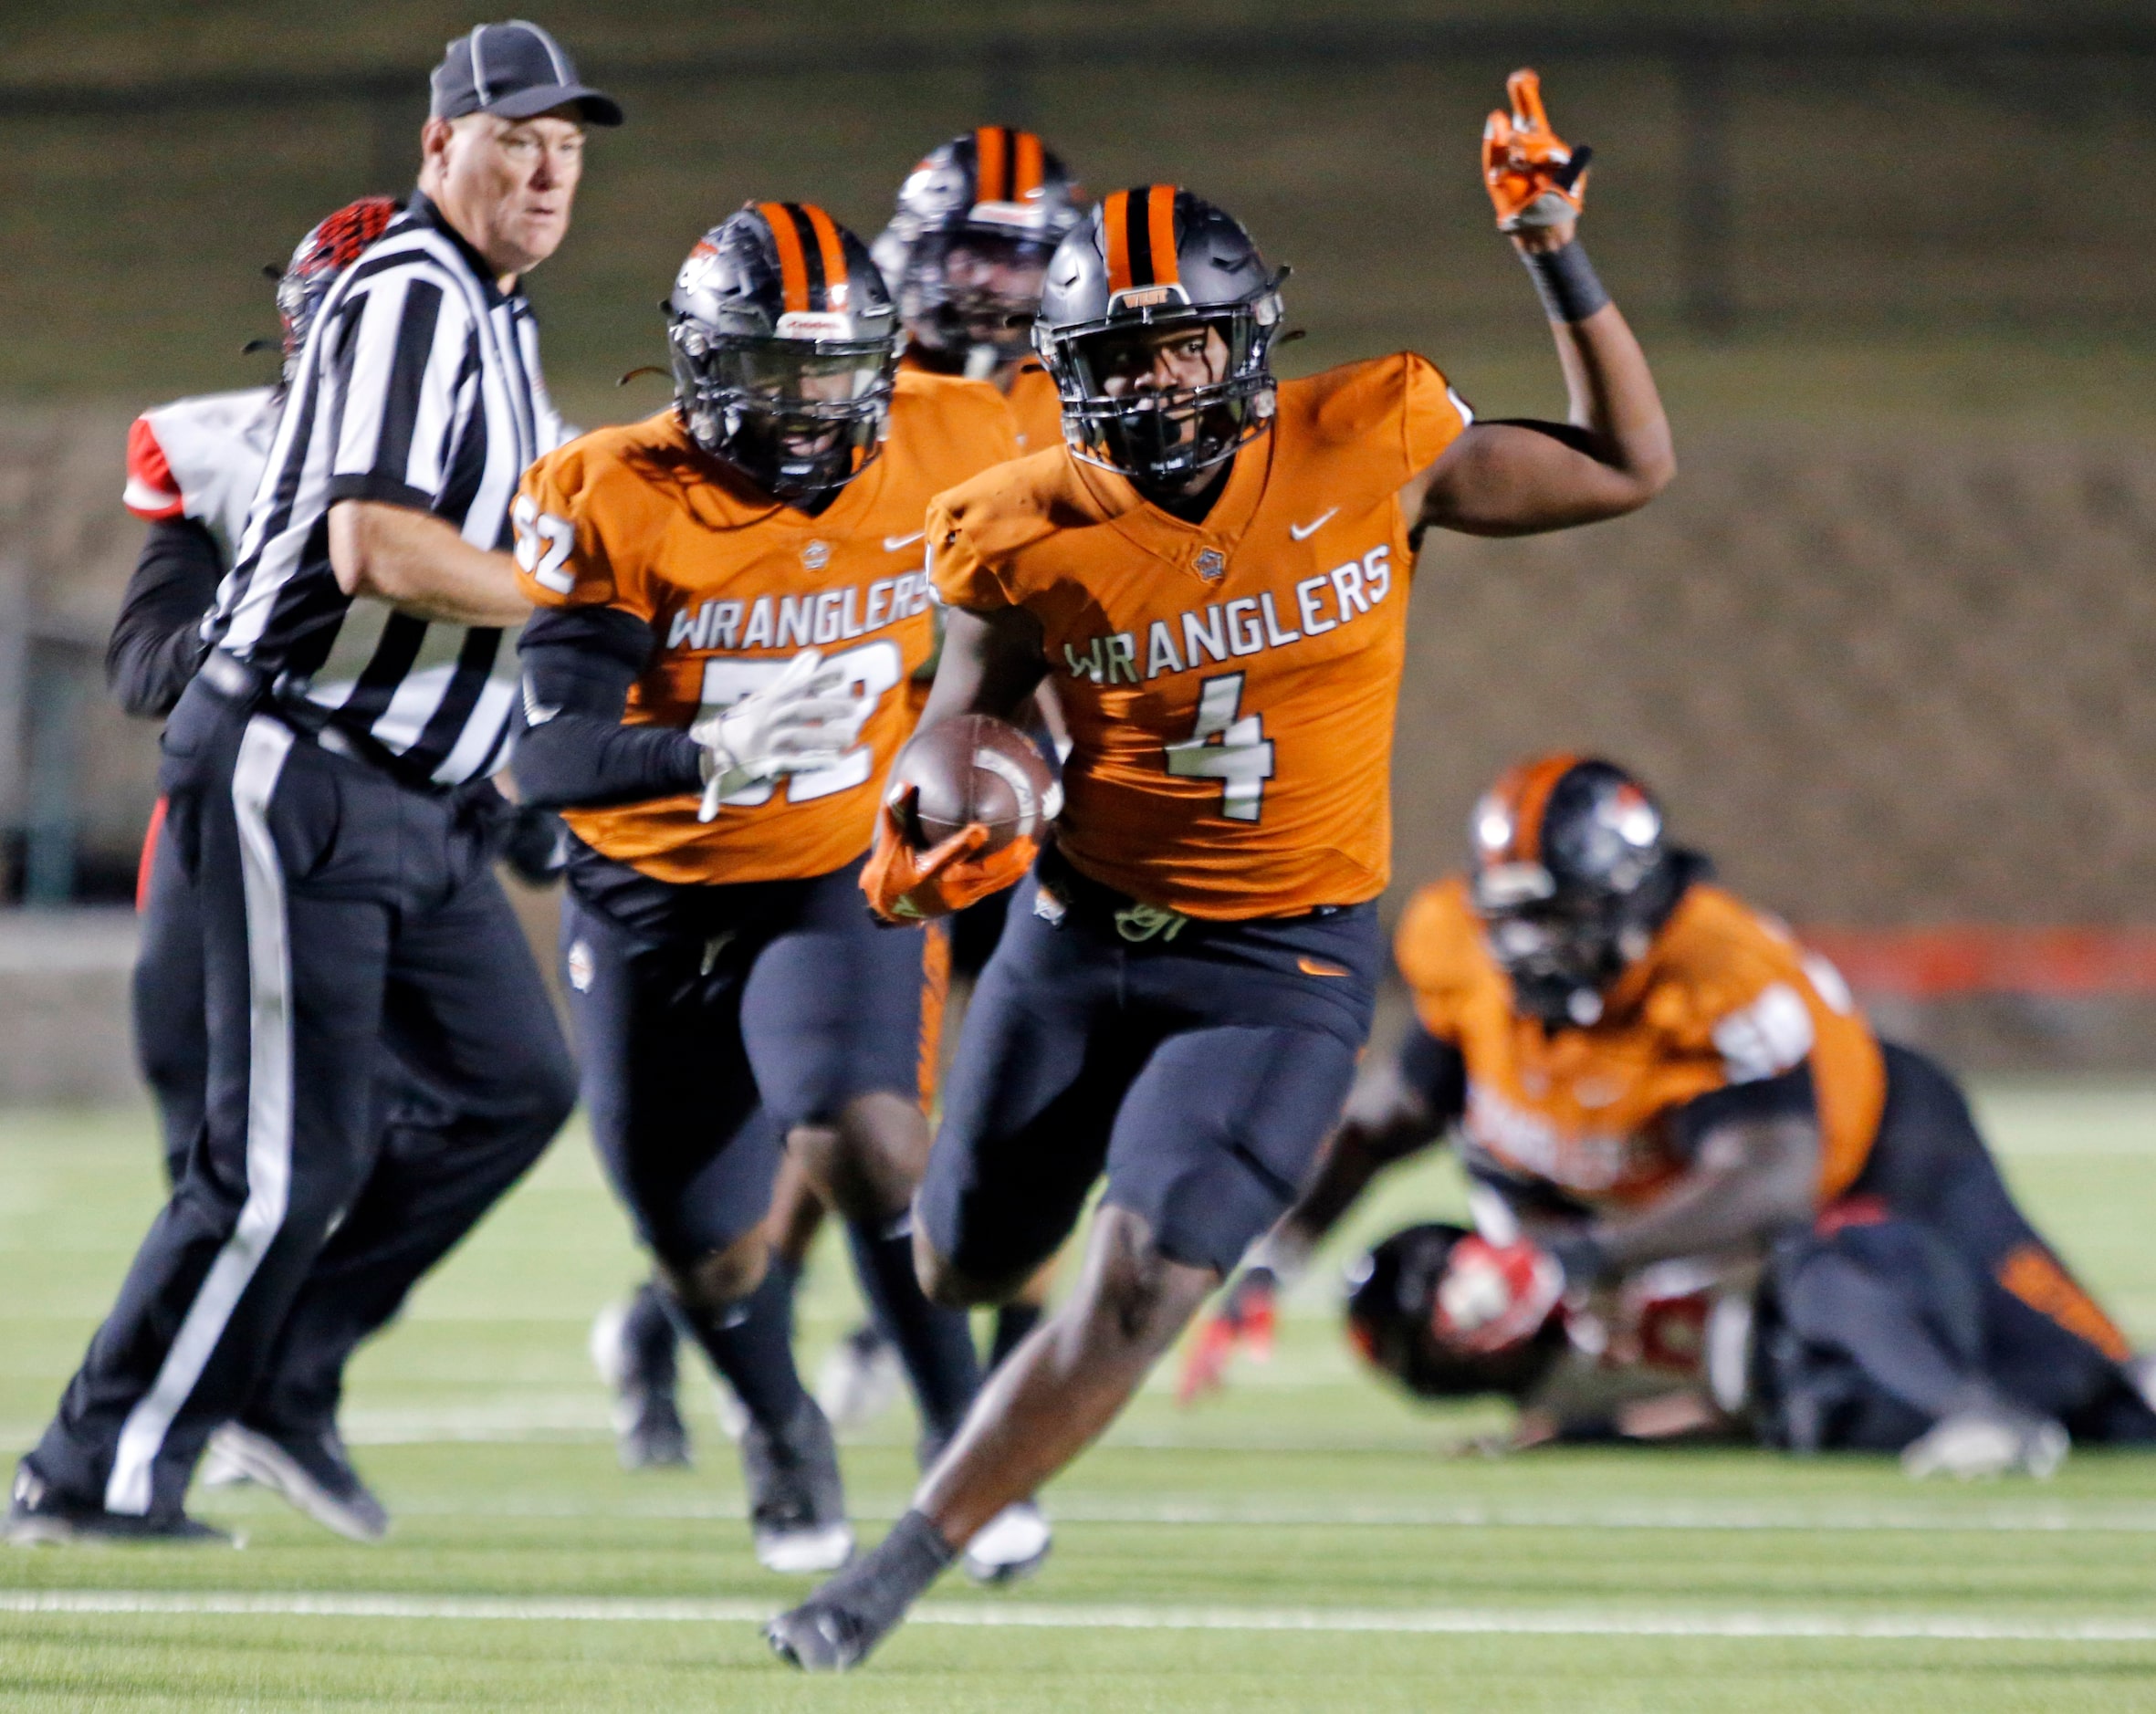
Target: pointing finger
[1525, 89]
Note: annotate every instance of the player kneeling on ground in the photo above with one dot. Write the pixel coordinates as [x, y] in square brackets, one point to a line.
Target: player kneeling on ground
[1215, 569]
[731, 594]
[1641, 1069]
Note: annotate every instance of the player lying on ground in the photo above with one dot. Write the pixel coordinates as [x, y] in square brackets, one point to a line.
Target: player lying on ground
[1214, 568]
[192, 469]
[1640, 1067]
[964, 255]
[732, 596]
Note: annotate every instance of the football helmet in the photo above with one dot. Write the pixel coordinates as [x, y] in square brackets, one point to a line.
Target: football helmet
[332, 245]
[968, 249]
[1396, 1319]
[1572, 878]
[1154, 264]
[784, 343]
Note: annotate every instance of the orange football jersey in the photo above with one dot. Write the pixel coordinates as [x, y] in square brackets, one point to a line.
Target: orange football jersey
[1723, 995]
[1035, 407]
[735, 584]
[1229, 686]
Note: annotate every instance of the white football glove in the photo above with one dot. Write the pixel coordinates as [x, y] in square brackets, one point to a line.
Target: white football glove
[800, 721]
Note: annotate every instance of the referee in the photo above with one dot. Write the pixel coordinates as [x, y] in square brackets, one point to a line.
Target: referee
[324, 775]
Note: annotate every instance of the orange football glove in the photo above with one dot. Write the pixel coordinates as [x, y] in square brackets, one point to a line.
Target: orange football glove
[1244, 1321]
[1535, 178]
[909, 885]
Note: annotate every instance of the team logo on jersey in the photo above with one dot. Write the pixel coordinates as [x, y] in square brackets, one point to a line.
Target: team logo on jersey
[580, 967]
[1210, 562]
[816, 555]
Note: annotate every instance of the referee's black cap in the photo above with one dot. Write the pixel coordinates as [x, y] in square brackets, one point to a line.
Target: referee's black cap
[516, 70]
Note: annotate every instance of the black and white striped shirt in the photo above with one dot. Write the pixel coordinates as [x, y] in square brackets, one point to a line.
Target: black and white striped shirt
[420, 385]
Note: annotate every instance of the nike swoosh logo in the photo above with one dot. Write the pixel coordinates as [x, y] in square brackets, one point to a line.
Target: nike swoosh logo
[1303, 532]
[892, 544]
[1313, 967]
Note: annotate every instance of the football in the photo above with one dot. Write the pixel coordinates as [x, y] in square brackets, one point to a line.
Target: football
[975, 768]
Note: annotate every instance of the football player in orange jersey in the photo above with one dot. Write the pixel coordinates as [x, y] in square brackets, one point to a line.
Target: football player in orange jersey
[1642, 1069]
[1213, 568]
[731, 594]
[966, 255]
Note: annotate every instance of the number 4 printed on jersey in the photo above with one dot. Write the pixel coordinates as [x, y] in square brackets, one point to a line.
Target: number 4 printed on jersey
[1229, 746]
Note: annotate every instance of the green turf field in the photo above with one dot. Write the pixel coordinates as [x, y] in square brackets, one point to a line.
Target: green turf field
[1305, 1543]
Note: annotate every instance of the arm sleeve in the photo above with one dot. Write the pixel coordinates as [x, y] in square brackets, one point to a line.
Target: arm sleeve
[404, 362]
[1788, 1096]
[156, 641]
[1437, 1070]
[578, 665]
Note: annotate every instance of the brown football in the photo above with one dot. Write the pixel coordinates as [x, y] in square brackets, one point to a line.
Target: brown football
[975, 768]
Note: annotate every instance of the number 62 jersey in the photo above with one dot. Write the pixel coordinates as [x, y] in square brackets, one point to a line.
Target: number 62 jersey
[1229, 686]
[733, 584]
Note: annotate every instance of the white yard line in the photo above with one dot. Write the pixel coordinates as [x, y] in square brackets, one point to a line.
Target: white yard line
[1850, 1518]
[1410, 1621]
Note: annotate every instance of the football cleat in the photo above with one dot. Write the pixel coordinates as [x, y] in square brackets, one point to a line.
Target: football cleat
[860, 1380]
[218, 1468]
[1010, 1546]
[37, 1517]
[632, 1347]
[821, 1635]
[797, 1500]
[311, 1470]
[1246, 1321]
[1988, 1440]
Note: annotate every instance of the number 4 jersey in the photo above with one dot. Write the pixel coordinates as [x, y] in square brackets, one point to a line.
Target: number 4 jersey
[1229, 685]
[734, 585]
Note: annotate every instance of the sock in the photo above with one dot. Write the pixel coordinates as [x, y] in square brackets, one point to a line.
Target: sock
[1013, 1322]
[648, 1333]
[934, 1344]
[751, 1343]
[879, 1586]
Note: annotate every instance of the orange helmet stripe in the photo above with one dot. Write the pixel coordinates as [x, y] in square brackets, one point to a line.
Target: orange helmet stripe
[1531, 802]
[1030, 173]
[833, 256]
[1160, 221]
[991, 168]
[793, 263]
[1115, 224]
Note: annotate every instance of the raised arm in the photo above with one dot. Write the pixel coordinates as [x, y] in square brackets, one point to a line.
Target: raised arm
[1613, 453]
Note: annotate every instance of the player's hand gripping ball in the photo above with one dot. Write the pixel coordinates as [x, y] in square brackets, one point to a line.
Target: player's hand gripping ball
[1534, 177]
[962, 817]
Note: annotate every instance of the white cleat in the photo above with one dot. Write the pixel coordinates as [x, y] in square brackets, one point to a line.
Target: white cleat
[860, 1380]
[220, 1468]
[1011, 1546]
[806, 1550]
[1970, 1445]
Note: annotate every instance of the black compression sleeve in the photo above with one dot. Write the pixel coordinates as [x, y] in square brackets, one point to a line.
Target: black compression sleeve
[156, 641]
[578, 665]
[1787, 1096]
[1437, 1070]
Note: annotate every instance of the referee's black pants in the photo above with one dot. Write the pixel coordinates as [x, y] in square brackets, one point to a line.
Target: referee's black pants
[436, 1173]
[340, 909]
